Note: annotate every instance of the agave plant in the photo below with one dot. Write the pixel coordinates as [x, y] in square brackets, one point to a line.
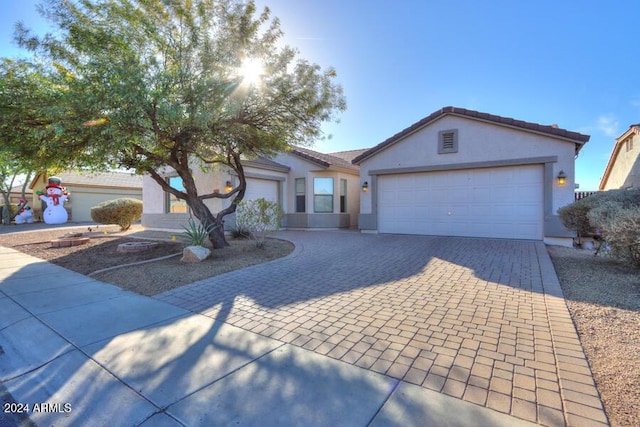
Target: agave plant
[198, 233]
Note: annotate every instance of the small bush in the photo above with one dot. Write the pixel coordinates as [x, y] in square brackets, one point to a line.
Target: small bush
[576, 215]
[259, 217]
[620, 228]
[614, 215]
[239, 232]
[123, 212]
[198, 233]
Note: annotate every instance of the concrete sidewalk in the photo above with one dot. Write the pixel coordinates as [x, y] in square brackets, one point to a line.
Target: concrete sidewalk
[76, 350]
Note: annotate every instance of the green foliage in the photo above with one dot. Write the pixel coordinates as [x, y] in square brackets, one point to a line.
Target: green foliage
[613, 214]
[620, 228]
[197, 234]
[574, 216]
[240, 232]
[259, 217]
[123, 211]
[33, 110]
[151, 84]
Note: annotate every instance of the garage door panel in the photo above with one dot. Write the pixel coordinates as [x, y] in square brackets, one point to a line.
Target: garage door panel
[493, 202]
[261, 188]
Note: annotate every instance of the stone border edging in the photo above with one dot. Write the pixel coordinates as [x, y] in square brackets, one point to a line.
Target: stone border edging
[131, 264]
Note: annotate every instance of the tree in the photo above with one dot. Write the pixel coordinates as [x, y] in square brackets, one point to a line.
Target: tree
[27, 97]
[181, 84]
[10, 171]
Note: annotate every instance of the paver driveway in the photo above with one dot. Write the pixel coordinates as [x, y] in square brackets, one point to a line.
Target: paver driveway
[479, 319]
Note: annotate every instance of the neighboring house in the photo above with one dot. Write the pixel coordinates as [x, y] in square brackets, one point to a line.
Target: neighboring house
[15, 195]
[315, 190]
[459, 172]
[623, 168]
[87, 189]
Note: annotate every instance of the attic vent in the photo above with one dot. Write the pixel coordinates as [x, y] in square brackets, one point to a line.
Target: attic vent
[448, 141]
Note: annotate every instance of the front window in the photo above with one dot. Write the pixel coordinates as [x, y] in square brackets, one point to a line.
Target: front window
[301, 199]
[323, 195]
[175, 205]
[343, 195]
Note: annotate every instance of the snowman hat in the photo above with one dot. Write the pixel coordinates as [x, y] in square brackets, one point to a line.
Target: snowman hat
[54, 182]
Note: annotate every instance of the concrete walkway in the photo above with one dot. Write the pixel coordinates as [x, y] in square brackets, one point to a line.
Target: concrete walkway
[350, 329]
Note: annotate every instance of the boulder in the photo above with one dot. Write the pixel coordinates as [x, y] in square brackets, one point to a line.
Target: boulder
[195, 254]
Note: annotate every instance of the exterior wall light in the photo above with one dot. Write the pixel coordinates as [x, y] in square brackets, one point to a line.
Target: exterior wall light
[562, 178]
[365, 186]
[228, 187]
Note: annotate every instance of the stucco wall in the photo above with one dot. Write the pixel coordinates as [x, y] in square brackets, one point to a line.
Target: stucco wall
[208, 180]
[300, 168]
[479, 144]
[625, 171]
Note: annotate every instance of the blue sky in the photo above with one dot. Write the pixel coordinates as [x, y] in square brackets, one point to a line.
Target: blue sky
[565, 62]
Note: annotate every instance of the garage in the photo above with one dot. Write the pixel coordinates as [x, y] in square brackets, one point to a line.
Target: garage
[501, 202]
[265, 188]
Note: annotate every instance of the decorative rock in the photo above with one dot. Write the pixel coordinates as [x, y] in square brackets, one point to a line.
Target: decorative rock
[136, 246]
[67, 242]
[195, 254]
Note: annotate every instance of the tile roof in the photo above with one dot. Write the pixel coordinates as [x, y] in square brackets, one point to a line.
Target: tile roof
[349, 155]
[99, 179]
[578, 138]
[264, 163]
[324, 160]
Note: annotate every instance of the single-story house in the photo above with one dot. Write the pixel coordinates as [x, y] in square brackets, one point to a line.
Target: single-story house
[87, 189]
[459, 172]
[623, 168]
[315, 190]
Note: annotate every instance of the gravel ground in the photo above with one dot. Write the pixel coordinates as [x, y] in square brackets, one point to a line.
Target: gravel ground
[603, 297]
[148, 278]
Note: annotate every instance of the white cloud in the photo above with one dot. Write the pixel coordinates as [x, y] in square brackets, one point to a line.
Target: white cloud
[608, 125]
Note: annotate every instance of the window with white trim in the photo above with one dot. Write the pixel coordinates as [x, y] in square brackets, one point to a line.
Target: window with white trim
[343, 196]
[301, 198]
[323, 195]
[173, 204]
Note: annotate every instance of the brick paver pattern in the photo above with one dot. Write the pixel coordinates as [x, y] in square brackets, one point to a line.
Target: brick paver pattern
[482, 320]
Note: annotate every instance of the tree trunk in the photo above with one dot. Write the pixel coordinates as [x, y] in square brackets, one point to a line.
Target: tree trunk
[6, 209]
[200, 211]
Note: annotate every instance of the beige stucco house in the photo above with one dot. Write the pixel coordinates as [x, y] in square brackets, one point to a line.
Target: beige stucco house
[87, 189]
[315, 190]
[459, 172]
[623, 168]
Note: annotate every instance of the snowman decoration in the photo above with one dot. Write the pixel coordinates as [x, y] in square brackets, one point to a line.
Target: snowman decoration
[25, 214]
[56, 195]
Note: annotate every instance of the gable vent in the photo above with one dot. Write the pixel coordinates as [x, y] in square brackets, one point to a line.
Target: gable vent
[448, 141]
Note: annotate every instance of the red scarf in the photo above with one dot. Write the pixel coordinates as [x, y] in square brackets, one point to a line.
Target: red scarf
[56, 199]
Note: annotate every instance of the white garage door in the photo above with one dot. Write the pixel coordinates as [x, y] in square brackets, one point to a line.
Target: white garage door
[265, 188]
[505, 202]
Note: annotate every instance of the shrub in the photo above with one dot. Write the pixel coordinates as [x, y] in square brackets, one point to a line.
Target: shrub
[614, 214]
[620, 228]
[259, 217]
[576, 215]
[198, 233]
[240, 232]
[123, 212]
